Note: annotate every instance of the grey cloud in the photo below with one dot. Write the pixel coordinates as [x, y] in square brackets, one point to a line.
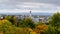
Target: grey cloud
[57, 2]
[11, 4]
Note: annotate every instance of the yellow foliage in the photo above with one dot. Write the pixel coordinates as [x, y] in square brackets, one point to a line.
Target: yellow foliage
[0, 23]
[15, 20]
[30, 29]
[1, 32]
[41, 28]
[33, 32]
[3, 21]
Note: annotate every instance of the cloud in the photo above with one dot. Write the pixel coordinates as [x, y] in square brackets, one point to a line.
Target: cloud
[37, 6]
[26, 5]
[36, 1]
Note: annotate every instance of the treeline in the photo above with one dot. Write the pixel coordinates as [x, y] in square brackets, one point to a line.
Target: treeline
[11, 25]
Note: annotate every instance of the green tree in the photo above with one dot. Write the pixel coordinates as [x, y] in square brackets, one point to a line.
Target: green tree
[12, 19]
[55, 20]
[54, 24]
[28, 22]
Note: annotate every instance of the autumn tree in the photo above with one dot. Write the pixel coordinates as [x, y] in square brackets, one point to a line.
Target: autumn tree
[40, 28]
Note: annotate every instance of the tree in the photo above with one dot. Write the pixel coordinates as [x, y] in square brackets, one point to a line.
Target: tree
[55, 20]
[28, 22]
[12, 19]
[40, 28]
[54, 23]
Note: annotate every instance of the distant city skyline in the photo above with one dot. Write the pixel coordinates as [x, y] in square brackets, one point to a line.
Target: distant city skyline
[18, 6]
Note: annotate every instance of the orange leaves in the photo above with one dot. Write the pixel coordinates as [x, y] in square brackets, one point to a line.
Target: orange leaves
[1, 32]
[31, 31]
[41, 28]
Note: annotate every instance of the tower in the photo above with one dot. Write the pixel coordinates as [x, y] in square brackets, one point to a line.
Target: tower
[30, 13]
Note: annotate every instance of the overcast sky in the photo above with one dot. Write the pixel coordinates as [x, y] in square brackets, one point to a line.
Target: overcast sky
[16, 6]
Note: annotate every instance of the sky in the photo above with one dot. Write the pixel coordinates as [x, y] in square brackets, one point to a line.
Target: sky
[18, 6]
